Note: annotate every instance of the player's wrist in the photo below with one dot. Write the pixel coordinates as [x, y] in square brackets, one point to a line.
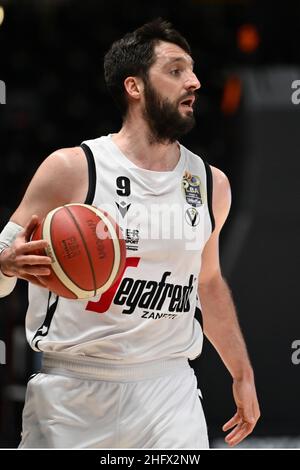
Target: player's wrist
[7, 282]
[4, 272]
[7, 237]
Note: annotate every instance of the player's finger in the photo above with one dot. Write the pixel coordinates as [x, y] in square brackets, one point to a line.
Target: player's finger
[34, 271]
[232, 422]
[238, 434]
[32, 246]
[34, 280]
[33, 260]
[234, 432]
[29, 227]
[256, 411]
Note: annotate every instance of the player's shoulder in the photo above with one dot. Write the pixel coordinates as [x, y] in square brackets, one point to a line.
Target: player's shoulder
[220, 180]
[221, 193]
[63, 174]
[65, 162]
[67, 156]
[79, 154]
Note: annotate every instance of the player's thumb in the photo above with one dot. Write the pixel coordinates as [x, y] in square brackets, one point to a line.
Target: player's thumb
[29, 227]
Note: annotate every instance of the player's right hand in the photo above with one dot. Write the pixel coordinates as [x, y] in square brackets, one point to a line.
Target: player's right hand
[20, 259]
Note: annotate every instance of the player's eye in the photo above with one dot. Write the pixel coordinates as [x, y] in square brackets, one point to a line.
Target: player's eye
[175, 72]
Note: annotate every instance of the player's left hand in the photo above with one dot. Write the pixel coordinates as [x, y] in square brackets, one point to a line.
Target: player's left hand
[248, 413]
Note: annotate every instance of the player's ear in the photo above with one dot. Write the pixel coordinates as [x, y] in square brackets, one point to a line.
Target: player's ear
[134, 87]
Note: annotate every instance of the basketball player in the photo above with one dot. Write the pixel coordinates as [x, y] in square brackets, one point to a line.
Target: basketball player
[115, 369]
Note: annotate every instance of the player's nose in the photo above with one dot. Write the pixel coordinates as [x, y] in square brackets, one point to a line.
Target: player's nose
[192, 82]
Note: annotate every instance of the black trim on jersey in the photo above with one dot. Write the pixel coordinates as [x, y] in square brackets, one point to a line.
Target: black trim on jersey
[48, 319]
[198, 316]
[92, 173]
[209, 191]
[32, 376]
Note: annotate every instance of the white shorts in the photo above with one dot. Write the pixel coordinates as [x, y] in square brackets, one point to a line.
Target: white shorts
[79, 403]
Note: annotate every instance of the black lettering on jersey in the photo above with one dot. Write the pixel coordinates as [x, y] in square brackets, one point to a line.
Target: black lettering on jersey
[176, 297]
[186, 296]
[157, 316]
[152, 295]
[168, 289]
[161, 285]
[123, 185]
[134, 296]
[148, 293]
[123, 291]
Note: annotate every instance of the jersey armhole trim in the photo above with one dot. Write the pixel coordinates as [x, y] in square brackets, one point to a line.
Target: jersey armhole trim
[209, 191]
[91, 172]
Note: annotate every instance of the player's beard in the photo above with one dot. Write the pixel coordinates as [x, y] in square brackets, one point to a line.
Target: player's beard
[164, 120]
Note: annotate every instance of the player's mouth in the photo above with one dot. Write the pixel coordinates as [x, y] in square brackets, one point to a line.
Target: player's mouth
[187, 103]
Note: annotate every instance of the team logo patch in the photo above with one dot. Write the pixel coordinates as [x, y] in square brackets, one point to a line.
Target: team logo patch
[123, 208]
[191, 187]
[192, 216]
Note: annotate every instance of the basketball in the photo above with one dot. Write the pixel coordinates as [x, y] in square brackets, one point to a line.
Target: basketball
[87, 250]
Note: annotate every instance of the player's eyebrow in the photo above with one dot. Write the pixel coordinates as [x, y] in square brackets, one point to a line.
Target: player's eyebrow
[180, 59]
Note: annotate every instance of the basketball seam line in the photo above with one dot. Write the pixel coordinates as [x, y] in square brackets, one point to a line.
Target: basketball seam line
[86, 248]
[58, 262]
[113, 237]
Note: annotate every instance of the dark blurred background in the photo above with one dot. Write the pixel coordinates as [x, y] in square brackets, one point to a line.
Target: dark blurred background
[247, 56]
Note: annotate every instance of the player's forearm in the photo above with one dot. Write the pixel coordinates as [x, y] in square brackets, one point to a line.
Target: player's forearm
[222, 329]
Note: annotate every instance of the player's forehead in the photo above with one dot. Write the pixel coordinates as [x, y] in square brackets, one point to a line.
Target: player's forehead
[167, 52]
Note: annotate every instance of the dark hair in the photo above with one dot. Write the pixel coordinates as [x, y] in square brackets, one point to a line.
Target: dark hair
[133, 55]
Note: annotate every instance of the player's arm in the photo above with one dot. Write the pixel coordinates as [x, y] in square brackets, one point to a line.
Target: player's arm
[220, 320]
[62, 178]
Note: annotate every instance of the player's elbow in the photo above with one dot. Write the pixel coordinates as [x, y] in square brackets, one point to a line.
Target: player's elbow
[211, 281]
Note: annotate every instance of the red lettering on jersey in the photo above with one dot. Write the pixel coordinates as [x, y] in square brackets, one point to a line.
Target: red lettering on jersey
[105, 300]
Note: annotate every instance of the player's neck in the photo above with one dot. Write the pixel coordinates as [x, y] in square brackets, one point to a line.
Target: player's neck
[133, 141]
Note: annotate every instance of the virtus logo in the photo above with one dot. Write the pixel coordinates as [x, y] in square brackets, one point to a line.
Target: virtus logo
[2, 92]
[2, 352]
[296, 94]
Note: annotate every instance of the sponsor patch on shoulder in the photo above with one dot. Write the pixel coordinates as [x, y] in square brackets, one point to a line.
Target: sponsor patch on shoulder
[191, 187]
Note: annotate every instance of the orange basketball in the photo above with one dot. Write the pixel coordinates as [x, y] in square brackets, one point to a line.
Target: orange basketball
[87, 250]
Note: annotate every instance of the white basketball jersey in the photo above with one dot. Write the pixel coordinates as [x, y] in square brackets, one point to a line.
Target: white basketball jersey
[149, 313]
